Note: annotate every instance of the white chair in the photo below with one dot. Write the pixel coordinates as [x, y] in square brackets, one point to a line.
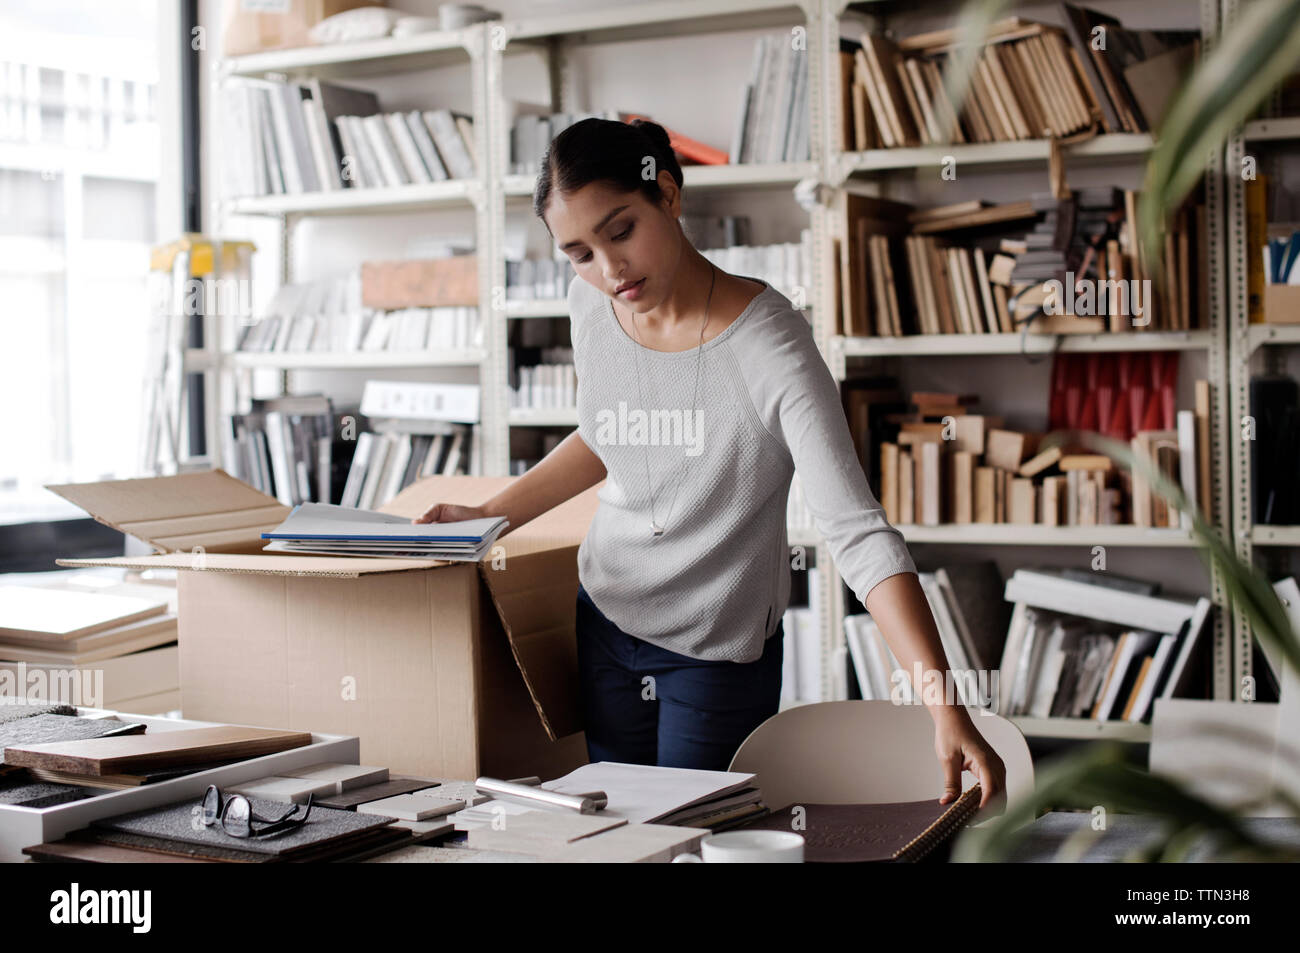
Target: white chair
[866, 752]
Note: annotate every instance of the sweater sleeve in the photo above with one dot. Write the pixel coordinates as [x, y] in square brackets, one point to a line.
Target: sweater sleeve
[812, 425]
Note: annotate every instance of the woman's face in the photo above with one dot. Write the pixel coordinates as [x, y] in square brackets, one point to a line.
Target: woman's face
[616, 238]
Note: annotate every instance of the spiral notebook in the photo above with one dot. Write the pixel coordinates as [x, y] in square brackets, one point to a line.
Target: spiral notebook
[903, 831]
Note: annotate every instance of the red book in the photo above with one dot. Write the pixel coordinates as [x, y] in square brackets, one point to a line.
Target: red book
[1106, 395]
[687, 148]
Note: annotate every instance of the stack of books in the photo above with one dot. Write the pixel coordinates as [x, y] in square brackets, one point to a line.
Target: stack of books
[326, 529]
[1030, 80]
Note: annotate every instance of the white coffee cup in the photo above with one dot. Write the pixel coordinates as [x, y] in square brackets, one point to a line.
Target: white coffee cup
[747, 847]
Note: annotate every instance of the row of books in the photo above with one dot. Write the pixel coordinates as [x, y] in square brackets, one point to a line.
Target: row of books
[971, 617]
[538, 279]
[290, 138]
[798, 517]
[528, 445]
[773, 123]
[786, 266]
[801, 671]
[1079, 268]
[1029, 80]
[949, 465]
[545, 386]
[433, 330]
[531, 135]
[285, 447]
[1063, 643]
[1078, 648]
[387, 462]
[718, 231]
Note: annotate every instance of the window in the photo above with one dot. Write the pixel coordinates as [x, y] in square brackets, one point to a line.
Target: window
[80, 162]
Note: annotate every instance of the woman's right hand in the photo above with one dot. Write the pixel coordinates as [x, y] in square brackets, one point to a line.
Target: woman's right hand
[450, 513]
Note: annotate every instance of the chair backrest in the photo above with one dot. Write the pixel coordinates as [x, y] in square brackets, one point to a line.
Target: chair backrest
[865, 752]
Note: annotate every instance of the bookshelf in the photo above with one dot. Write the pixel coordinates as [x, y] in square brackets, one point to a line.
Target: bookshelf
[485, 51]
[1254, 349]
[877, 172]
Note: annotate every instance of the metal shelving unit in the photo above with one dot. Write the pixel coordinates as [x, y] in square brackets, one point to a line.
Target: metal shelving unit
[385, 56]
[485, 48]
[876, 167]
[1250, 344]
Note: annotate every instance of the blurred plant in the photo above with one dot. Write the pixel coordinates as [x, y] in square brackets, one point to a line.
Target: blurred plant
[1250, 58]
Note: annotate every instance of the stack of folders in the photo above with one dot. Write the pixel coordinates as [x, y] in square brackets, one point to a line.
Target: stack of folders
[343, 531]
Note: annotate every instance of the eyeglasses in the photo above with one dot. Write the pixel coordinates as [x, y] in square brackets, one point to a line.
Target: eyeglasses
[237, 817]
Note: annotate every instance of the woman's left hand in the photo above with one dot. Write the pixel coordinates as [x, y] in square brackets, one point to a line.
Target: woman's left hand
[960, 747]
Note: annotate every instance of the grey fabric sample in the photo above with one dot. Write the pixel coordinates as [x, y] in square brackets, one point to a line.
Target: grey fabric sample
[179, 822]
[41, 729]
[41, 794]
[13, 710]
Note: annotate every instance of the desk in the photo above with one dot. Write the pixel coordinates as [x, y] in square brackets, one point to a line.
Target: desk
[1045, 837]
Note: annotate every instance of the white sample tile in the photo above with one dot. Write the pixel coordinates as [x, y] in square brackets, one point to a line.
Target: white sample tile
[631, 843]
[286, 789]
[345, 777]
[411, 807]
[464, 790]
[540, 831]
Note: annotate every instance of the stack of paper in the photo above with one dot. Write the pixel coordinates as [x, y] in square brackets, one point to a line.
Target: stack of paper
[686, 797]
[344, 531]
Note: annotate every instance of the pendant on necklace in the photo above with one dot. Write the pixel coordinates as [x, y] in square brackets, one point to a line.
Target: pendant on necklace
[656, 528]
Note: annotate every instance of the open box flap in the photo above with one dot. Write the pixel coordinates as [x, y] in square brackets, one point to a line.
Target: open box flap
[536, 597]
[533, 584]
[210, 509]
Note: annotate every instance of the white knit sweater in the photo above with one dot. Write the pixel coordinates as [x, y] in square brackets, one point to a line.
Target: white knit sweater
[717, 582]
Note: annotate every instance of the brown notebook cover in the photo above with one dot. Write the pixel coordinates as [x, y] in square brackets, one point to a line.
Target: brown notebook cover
[902, 831]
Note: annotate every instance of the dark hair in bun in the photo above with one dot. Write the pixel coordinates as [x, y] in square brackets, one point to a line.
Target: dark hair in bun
[605, 150]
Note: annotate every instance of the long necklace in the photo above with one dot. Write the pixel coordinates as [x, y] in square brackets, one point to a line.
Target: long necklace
[656, 527]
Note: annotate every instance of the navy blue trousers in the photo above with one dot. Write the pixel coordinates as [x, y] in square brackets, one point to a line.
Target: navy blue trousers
[646, 705]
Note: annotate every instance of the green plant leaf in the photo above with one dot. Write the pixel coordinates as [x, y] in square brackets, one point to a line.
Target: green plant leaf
[973, 23]
[1252, 56]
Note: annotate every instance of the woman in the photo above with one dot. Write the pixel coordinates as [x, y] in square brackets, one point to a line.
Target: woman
[699, 395]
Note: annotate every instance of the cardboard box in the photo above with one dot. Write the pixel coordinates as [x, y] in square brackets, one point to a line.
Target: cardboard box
[24, 826]
[1282, 304]
[253, 27]
[420, 283]
[440, 668]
